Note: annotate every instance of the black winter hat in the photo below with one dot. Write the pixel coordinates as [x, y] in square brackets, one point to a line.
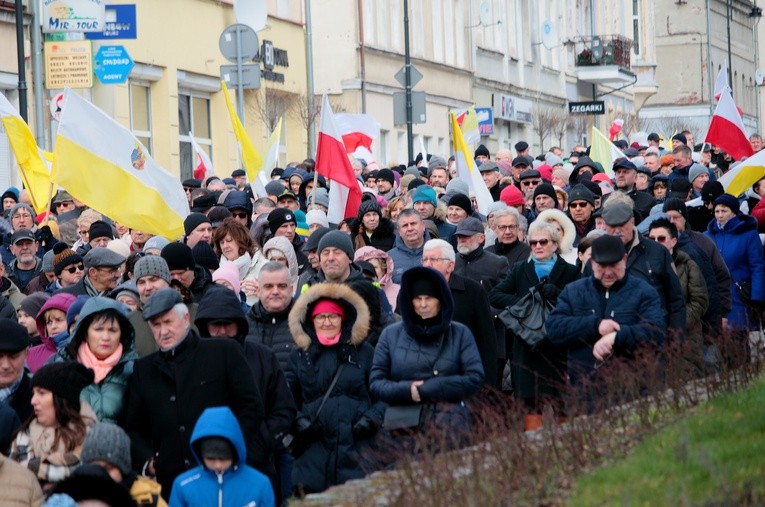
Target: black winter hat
[339, 240]
[369, 206]
[100, 229]
[674, 204]
[13, 336]
[548, 190]
[581, 193]
[65, 380]
[178, 256]
[204, 256]
[711, 191]
[608, 249]
[729, 201]
[387, 175]
[64, 256]
[313, 240]
[414, 184]
[481, 150]
[463, 202]
[193, 221]
[280, 216]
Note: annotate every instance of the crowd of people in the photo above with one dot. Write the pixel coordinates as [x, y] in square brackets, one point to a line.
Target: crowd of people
[269, 352]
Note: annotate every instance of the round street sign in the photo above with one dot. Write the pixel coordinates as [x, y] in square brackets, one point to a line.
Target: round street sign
[249, 42]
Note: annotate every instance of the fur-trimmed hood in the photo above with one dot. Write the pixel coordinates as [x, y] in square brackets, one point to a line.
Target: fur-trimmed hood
[355, 325]
[569, 230]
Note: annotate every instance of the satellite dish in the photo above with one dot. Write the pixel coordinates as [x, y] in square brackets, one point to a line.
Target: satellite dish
[252, 13]
[484, 13]
[549, 35]
[759, 77]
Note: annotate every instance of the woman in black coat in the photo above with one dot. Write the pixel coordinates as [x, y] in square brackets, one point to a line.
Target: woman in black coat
[538, 375]
[371, 228]
[329, 324]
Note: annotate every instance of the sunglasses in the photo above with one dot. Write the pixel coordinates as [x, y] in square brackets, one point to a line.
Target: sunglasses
[239, 214]
[528, 183]
[535, 242]
[660, 239]
[575, 205]
[73, 269]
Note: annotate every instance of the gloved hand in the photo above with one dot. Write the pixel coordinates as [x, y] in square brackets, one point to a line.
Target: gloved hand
[364, 428]
[549, 291]
[304, 428]
[45, 236]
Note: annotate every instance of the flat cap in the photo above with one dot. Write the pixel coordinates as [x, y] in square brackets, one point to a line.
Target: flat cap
[13, 336]
[160, 302]
[488, 166]
[102, 257]
[469, 227]
[608, 250]
[617, 214]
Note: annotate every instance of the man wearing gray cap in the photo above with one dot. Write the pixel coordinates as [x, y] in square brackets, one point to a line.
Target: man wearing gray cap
[170, 389]
[651, 262]
[103, 268]
[609, 312]
[26, 265]
[475, 263]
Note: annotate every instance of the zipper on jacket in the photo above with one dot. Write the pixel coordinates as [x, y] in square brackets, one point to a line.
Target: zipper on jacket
[220, 489]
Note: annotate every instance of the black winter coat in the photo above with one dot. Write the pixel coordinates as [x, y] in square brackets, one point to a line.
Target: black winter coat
[272, 331]
[485, 268]
[170, 390]
[21, 399]
[514, 252]
[535, 372]
[383, 237]
[333, 455]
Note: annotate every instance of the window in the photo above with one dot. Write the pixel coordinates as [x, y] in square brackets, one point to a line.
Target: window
[194, 117]
[438, 32]
[140, 112]
[381, 154]
[636, 26]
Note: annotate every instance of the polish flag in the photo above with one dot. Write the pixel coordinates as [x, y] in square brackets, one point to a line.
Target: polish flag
[357, 130]
[204, 166]
[721, 82]
[332, 163]
[726, 129]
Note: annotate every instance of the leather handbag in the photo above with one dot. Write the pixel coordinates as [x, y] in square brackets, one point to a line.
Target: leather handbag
[526, 318]
[400, 417]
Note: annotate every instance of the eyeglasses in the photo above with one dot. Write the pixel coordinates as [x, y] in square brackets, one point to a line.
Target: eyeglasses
[331, 317]
[528, 183]
[83, 233]
[434, 259]
[503, 228]
[574, 205]
[534, 242]
[239, 214]
[22, 215]
[73, 269]
[660, 239]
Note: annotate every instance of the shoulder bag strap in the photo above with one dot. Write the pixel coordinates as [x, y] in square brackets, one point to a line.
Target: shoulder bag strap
[329, 390]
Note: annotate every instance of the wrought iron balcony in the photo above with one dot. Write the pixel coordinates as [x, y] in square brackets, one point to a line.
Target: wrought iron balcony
[603, 50]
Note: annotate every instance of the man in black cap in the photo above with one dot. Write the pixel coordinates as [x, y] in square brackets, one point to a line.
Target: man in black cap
[655, 140]
[700, 216]
[473, 261]
[183, 268]
[649, 261]
[26, 264]
[491, 176]
[282, 222]
[625, 173]
[240, 178]
[481, 154]
[529, 180]
[679, 140]
[197, 227]
[520, 164]
[544, 198]
[609, 312]
[15, 379]
[102, 271]
[189, 186]
[99, 234]
[521, 149]
[287, 200]
[581, 205]
[170, 389]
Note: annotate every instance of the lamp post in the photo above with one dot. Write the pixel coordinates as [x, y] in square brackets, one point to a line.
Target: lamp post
[20, 59]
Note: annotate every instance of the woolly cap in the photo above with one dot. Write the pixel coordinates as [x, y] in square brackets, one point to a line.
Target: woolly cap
[152, 265]
[339, 240]
[65, 380]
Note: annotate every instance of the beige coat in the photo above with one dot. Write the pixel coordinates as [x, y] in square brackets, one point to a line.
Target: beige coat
[18, 486]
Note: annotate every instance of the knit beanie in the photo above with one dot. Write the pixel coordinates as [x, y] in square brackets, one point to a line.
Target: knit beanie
[581, 193]
[369, 206]
[546, 189]
[729, 201]
[204, 256]
[695, 171]
[16, 207]
[32, 303]
[63, 256]
[193, 221]
[675, 204]
[425, 193]
[230, 273]
[339, 240]
[462, 201]
[312, 243]
[387, 175]
[414, 183]
[47, 261]
[10, 193]
[65, 380]
[178, 256]
[100, 229]
[481, 150]
[279, 217]
[74, 310]
[316, 216]
[152, 265]
[155, 243]
[107, 442]
[457, 186]
[512, 196]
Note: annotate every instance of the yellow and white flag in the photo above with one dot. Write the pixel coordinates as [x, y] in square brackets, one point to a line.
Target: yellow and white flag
[741, 178]
[250, 157]
[272, 159]
[102, 164]
[604, 151]
[34, 171]
[467, 170]
[468, 121]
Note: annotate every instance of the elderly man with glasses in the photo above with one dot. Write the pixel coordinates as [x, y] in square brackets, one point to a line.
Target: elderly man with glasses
[103, 268]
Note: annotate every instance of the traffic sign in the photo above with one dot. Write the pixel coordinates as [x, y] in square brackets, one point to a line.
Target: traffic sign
[416, 76]
[399, 108]
[250, 75]
[248, 43]
[112, 64]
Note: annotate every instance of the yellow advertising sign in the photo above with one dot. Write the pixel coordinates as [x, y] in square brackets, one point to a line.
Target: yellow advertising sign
[68, 64]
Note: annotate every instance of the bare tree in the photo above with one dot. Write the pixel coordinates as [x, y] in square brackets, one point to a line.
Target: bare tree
[563, 122]
[635, 123]
[579, 125]
[544, 122]
[307, 116]
[270, 105]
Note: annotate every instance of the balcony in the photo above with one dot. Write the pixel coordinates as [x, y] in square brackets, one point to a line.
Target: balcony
[603, 59]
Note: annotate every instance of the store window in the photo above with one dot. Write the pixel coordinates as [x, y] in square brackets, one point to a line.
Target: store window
[194, 118]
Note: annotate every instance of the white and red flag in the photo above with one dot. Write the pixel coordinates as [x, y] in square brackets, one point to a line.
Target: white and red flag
[204, 167]
[357, 130]
[332, 163]
[726, 129]
[721, 82]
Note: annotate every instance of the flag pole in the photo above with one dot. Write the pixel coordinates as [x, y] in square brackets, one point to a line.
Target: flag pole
[47, 210]
[28, 187]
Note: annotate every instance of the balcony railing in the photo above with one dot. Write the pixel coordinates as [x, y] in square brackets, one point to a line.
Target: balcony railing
[602, 50]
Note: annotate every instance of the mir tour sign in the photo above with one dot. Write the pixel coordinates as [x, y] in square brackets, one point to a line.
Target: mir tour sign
[73, 15]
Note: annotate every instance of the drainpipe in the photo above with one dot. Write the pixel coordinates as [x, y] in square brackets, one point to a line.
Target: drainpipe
[362, 61]
[710, 78]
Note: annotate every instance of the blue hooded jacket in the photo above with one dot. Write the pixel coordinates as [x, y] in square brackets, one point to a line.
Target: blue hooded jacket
[239, 485]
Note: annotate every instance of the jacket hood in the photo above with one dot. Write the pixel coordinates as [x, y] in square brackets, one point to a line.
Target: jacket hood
[366, 253]
[355, 325]
[569, 231]
[219, 302]
[736, 225]
[237, 199]
[218, 422]
[285, 246]
[94, 306]
[61, 301]
[583, 162]
[405, 307]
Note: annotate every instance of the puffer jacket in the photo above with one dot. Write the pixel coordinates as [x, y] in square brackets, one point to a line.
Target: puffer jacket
[239, 485]
[39, 354]
[108, 398]
[19, 485]
[583, 304]
[383, 237]
[272, 331]
[740, 246]
[333, 454]
[444, 355]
